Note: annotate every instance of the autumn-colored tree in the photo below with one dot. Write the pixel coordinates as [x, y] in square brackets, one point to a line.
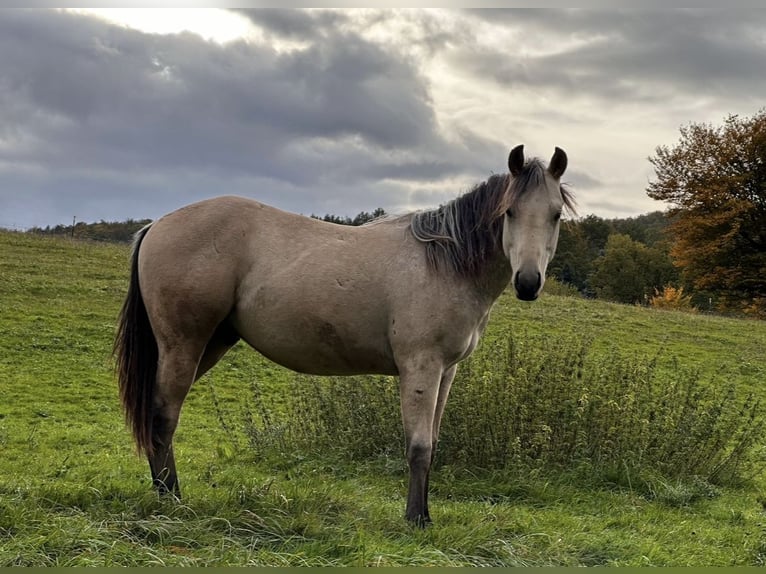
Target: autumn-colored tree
[715, 180]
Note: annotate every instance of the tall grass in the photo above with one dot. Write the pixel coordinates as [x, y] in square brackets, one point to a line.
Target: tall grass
[538, 403]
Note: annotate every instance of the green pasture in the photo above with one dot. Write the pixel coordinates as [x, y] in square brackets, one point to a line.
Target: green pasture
[72, 491]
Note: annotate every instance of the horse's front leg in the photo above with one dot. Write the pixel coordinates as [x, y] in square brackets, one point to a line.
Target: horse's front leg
[419, 389]
[444, 387]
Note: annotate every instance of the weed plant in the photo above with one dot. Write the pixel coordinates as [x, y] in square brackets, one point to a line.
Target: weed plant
[542, 402]
[539, 403]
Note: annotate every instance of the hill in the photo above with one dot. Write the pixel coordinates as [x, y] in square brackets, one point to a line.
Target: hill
[73, 493]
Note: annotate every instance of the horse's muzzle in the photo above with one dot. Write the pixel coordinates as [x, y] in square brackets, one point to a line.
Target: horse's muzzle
[527, 284]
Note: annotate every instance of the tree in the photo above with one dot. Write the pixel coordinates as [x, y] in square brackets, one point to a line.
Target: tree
[572, 262]
[715, 180]
[629, 271]
[365, 217]
[581, 242]
[360, 219]
[648, 228]
[596, 232]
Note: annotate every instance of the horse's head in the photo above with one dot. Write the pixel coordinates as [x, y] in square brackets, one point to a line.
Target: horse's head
[531, 226]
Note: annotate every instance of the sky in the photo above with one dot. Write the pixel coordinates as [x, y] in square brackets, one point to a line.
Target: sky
[116, 114]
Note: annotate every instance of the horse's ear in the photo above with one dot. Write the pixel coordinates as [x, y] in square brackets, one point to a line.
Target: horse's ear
[558, 163]
[516, 160]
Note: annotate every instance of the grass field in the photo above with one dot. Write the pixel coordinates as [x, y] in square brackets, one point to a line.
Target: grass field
[72, 492]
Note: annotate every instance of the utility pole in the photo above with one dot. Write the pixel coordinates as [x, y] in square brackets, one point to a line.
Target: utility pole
[74, 219]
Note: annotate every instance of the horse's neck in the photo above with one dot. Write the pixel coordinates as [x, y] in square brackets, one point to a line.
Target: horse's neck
[496, 277]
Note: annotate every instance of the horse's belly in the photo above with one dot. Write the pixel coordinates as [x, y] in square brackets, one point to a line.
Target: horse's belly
[320, 347]
[330, 363]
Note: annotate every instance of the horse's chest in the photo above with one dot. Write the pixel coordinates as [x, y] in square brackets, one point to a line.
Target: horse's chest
[460, 346]
[470, 340]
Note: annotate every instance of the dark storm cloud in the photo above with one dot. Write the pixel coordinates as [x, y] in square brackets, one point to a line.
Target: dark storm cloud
[633, 55]
[194, 102]
[296, 24]
[81, 98]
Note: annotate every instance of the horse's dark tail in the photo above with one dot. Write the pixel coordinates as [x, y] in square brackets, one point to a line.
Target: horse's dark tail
[135, 350]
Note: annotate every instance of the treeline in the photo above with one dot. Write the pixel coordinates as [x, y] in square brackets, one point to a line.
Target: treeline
[360, 219]
[115, 231]
[622, 260]
[123, 231]
[640, 261]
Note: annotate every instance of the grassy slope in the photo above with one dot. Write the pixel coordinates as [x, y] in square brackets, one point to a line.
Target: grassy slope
[72, 492]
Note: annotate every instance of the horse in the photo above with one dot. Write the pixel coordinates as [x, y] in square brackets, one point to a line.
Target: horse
[406, 295]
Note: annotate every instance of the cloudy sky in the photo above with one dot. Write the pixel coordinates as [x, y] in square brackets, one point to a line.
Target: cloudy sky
[133, 113]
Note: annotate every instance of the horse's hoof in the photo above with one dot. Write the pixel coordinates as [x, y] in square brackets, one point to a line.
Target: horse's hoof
[164, 492]
[419, 521]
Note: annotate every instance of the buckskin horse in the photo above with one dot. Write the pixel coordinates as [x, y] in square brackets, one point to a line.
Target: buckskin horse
[408, 295]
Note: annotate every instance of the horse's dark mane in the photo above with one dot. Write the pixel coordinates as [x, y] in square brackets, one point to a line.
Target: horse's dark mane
[465, 234]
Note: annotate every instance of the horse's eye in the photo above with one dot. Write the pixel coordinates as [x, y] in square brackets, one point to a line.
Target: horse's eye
[509, 213]
[557, 216]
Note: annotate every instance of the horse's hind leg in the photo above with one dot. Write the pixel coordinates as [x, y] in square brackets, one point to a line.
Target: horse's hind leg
[224, 338]
[175, 374]
[179, 366]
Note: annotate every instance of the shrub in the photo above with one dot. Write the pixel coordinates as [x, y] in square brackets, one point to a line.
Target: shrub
[756, 308]
[559, 288]
[543, 403]
[356, 418]
[672, 298]
[538, 403]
